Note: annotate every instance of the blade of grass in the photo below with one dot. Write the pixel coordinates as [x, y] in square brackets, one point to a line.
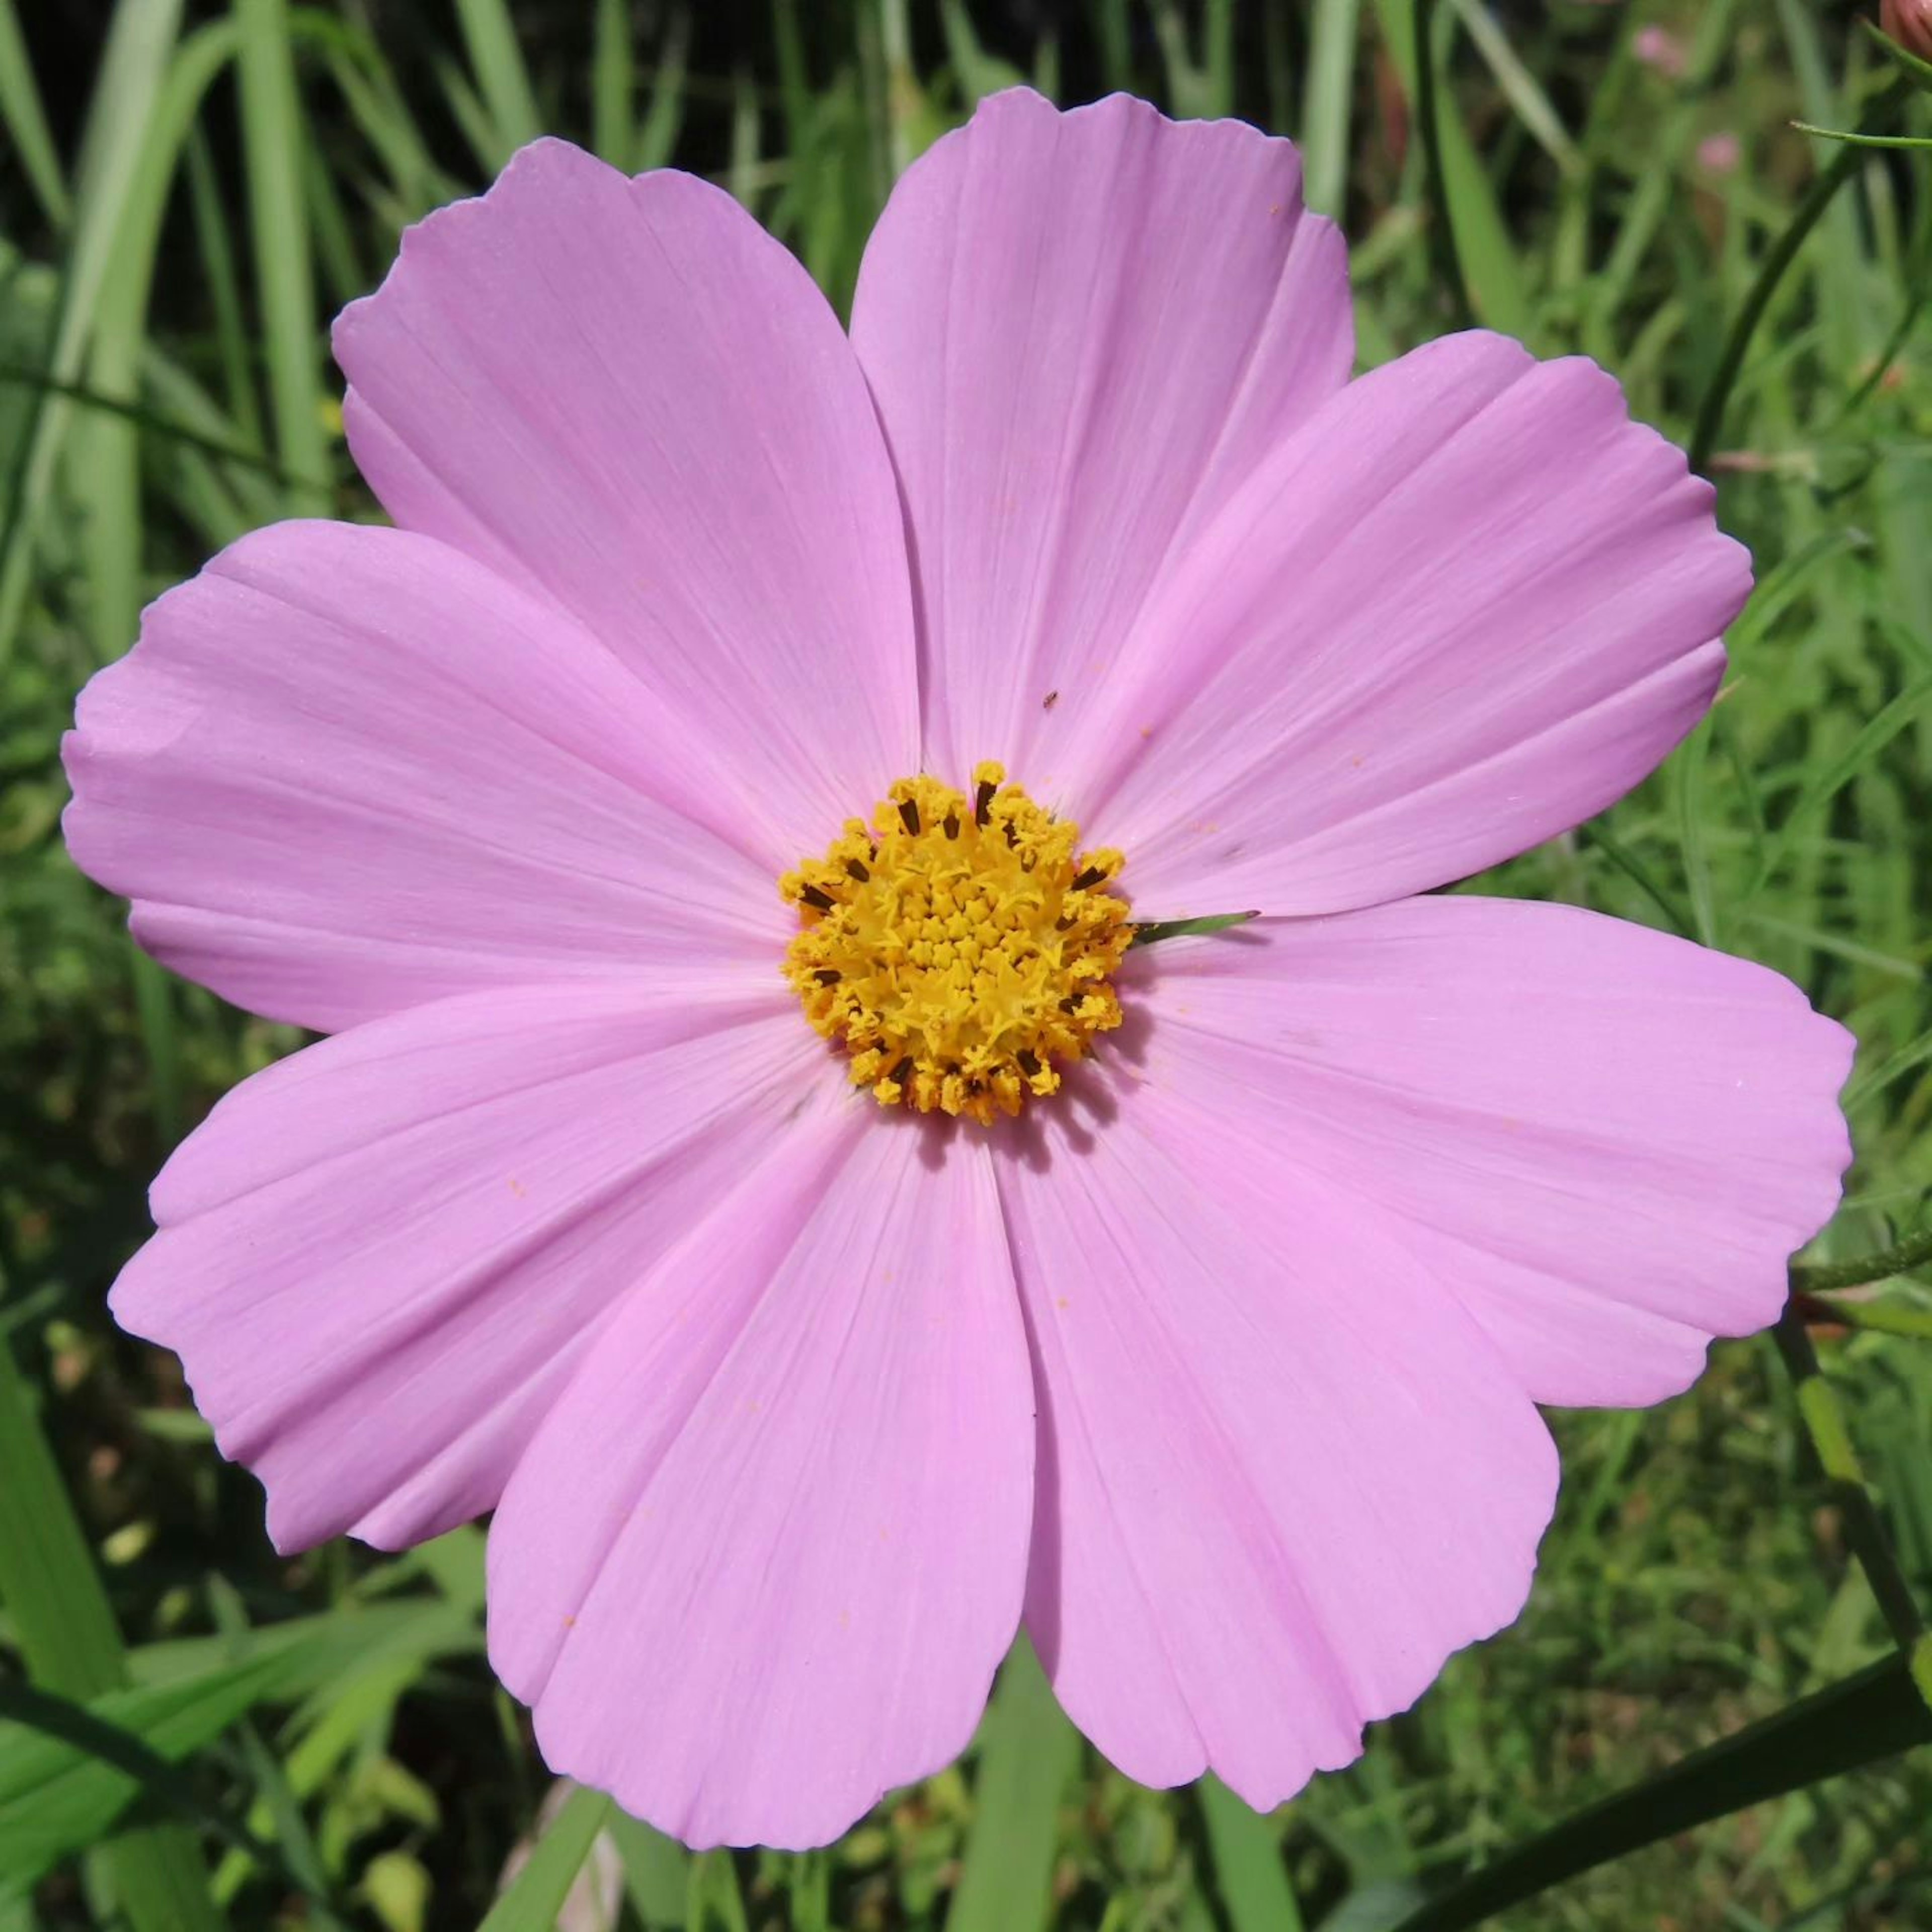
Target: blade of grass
[612, 83]
[1328, 103]
[532, 1900]
[273, 140]
[1806, 217]
[664, 118]
[1520, 87]
[1476, 261]
[26, 122]
[1860, 1720]
[1030, 1752]
[1248, 1873]
[136, 59]
[67, 1634]
[657, 1872]
[503, 80]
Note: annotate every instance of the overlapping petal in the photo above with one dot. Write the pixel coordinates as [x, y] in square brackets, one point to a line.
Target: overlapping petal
[1606, 1141]
[762, 1561]
[1283, 1474]
[1084, 331]
[380, 1260]
[1468, 605]
[348, 770]
[627, 393]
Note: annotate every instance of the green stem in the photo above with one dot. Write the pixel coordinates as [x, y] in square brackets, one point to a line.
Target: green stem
[1823, 190]
[1914, 1251]
[1825, 1423]
[1428, 125]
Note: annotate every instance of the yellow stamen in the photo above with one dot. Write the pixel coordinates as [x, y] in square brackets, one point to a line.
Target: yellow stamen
[961, 949]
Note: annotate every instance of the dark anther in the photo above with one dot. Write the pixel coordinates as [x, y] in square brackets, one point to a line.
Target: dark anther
[909, 815]
[828, 975]
[898, 1075]
[813, 898]
[1092, 876]
[1029, 1062]
[1029, 859]
[1064, 923]
[1052, 698]
[983, 799]
[1070, 1006]
[854, 870]
[1013, 837]
[952, 825]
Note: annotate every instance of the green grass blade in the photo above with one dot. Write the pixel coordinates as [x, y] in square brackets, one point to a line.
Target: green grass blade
[1481, 241]
[613, 82]
[1248, 1873]
[1029, 1753]
[536, 1896]
[1328, 101]
[1878, 732]
[67, 1634]
[664, 118]
[712, 1901]
[1520, 87]
[503, 80]
[273, 139]
[26, 121]
[657, 1872]
[1860, 1720]
[138, 44]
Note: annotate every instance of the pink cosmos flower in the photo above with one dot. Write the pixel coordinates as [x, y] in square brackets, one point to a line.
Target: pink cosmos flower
[1216, 1368]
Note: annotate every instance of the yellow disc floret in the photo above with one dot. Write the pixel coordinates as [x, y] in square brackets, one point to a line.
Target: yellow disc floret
[962, 949]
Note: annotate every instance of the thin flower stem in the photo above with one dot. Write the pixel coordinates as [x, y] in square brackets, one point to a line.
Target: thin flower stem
[1824, 189]
[1428, 125]
[1914, 1251]
[1824, 1420]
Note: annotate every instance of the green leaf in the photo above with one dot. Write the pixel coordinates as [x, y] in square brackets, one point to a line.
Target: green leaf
[536, 1896]
[1029, 1752]
[1858, 1721]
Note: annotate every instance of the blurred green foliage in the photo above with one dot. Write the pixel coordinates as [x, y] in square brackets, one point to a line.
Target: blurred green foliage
[186, 194]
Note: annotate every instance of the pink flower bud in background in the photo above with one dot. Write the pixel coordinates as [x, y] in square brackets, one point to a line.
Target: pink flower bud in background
[1910, 23]
[1719, 153]
[1658, 47]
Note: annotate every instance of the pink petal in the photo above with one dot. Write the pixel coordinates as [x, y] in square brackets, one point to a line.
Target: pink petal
[1084, 331]
[347, 770]
[627, 393]
[1282, 1474]
[763, 1560]
[380, 1260]
[1468, 605]
[1605, 1140]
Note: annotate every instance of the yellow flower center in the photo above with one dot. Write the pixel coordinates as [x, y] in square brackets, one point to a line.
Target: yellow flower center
[962, 951]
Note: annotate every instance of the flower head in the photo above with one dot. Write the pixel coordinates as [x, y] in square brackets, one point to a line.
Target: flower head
[745, 725]
[1910, 23]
